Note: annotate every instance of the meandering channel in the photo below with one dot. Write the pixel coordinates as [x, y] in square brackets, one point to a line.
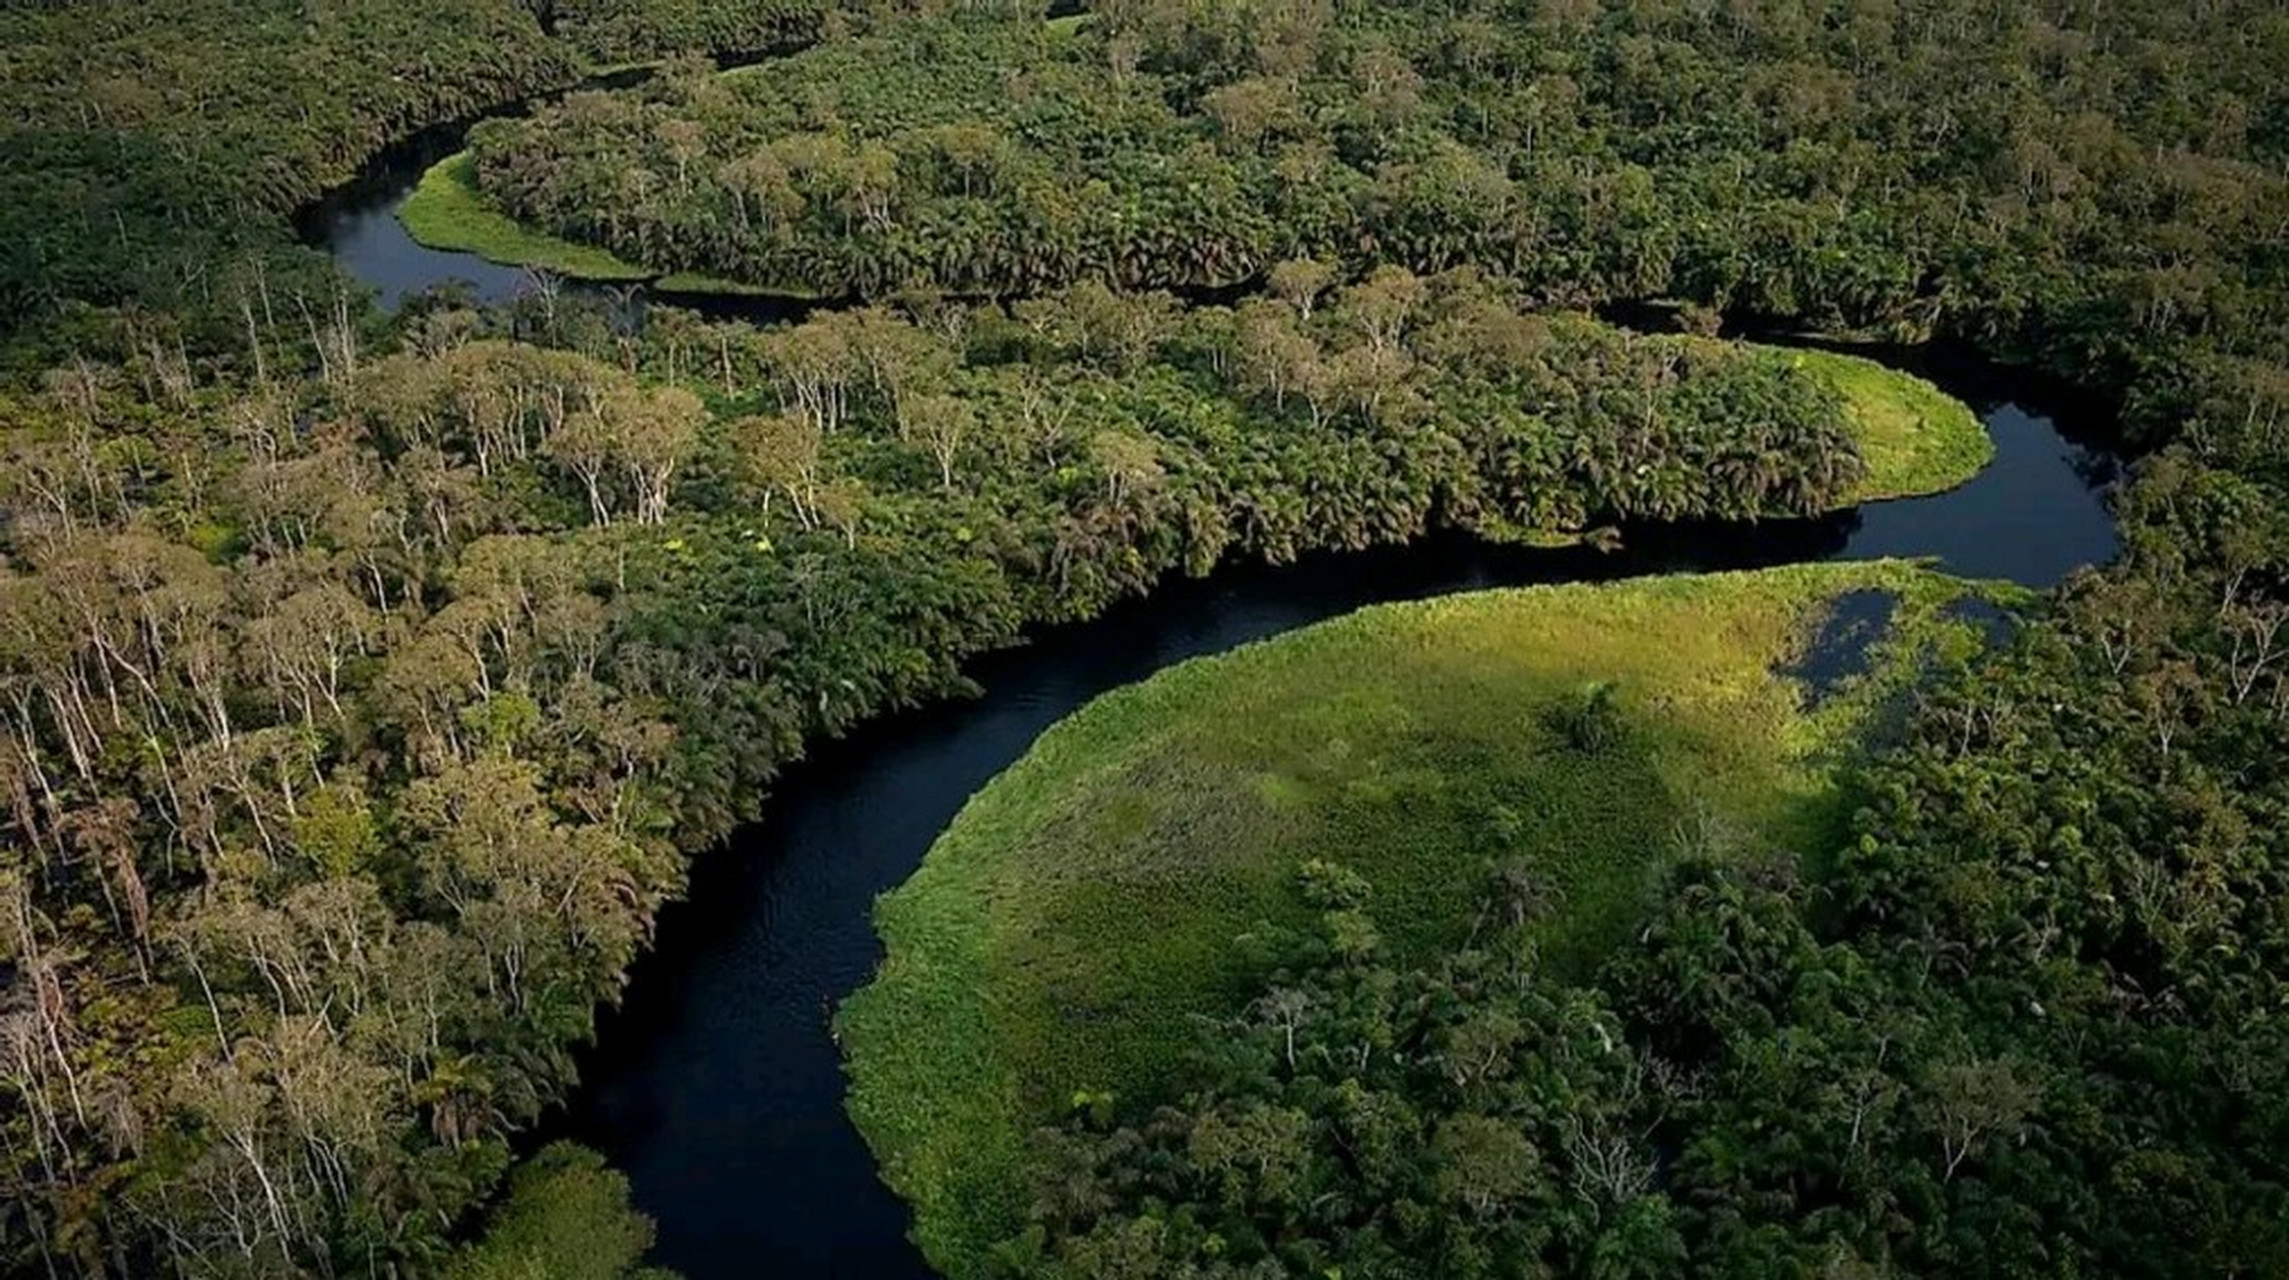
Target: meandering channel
[717, 1087]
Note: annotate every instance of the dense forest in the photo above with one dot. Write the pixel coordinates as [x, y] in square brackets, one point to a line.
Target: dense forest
[154, 164]
[367, 680]
[358, 726]
[1774, 159]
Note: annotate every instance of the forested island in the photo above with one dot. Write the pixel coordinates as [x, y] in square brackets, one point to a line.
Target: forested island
[370, 679]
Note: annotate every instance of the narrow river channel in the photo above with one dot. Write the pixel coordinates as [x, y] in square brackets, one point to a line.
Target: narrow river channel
[716, 1085]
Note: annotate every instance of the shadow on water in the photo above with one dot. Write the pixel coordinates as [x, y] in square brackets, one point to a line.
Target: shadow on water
[716, 1085]
[1844, 646]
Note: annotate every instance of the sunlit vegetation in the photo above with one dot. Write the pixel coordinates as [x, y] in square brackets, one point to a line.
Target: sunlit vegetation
[1111, 888]
[359, 725]
[445, 211]
[1912, 438]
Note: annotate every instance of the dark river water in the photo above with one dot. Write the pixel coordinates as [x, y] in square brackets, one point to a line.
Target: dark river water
[715, 1085]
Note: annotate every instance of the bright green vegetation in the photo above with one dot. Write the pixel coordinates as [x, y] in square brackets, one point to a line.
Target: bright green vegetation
[1089, 904]
[446, 211]
[1914, 438]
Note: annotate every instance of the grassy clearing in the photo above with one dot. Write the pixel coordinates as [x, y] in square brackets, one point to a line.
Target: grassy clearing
[1916, 438]
[1083, 908]
[447, 211]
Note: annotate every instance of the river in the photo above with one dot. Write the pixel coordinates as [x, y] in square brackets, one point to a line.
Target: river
[716, 1086]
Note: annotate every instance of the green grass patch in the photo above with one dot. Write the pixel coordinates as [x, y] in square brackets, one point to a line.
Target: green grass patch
[447, 211]
[1916, 438]
[1081, 912]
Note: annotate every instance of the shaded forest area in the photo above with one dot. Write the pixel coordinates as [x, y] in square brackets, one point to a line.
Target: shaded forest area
[1897, 168]
[367, 680]
[155, 163]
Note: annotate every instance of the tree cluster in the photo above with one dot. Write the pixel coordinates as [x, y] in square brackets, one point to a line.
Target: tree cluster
[2035, 175]
[2029, 1025]
[354, 726]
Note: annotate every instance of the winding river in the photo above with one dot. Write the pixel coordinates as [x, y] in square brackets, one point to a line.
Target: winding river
[716, 1086]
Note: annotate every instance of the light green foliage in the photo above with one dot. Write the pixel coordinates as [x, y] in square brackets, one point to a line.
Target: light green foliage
[1915, 438]
[1096, 898]
[446, 211]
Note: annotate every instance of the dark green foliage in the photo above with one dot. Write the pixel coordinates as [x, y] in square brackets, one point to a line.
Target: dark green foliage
[1474, 1118]
[623, 30]
[1592, 720]
[151, 162]
[143, 155]
[1733, 1095]
[2053, 179]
